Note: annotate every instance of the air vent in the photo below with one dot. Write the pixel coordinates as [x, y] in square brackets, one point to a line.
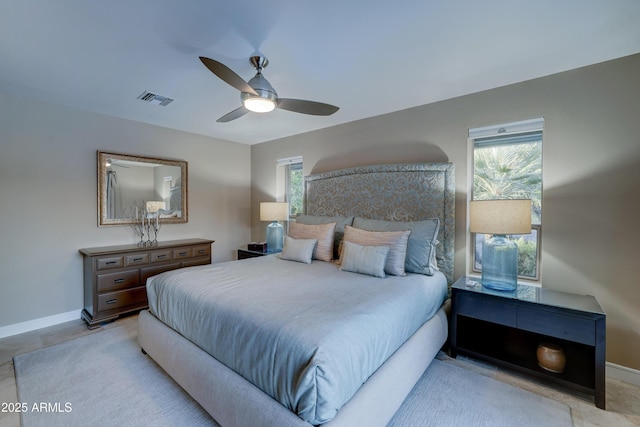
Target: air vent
[155, 99]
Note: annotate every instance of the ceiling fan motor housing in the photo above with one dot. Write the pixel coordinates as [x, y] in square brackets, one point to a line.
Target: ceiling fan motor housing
[262, 87]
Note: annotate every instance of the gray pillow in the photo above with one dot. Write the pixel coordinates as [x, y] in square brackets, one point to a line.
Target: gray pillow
[340, 221]
[395, 240]
[300, 250]
[421, 248]
[364, 259]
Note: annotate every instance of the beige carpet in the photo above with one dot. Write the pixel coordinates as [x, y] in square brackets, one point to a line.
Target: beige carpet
[103, 379]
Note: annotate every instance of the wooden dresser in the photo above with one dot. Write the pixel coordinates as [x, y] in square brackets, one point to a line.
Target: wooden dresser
[115, 276]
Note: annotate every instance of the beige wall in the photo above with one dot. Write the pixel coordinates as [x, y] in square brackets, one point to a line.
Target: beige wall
[48, 198]
[591, 162]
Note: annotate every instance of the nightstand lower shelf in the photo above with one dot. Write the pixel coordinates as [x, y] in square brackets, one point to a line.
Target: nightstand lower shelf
[516, 350]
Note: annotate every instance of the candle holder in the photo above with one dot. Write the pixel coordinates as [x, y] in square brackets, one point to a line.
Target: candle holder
[148, 227]
[156, 229]
[146, 220]
[138, 213]
[154, 242]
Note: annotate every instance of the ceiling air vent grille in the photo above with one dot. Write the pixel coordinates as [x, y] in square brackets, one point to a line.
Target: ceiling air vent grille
[155, 99]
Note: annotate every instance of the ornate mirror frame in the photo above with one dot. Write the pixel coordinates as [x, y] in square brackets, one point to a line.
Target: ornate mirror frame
[106, 163]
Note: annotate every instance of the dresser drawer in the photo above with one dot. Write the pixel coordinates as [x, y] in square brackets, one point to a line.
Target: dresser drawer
[488, 309]
[161, 256]
[119, 280]
[196, 261]
[558, 325]
[105, 263]
[113, 300]
[145, 273]
[203, 250]
[182, 253]
[136, 259]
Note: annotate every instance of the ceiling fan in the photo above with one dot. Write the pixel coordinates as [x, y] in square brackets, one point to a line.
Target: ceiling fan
[258, 95]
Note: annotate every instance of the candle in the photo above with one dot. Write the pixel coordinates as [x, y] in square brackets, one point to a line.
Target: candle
[157, 218]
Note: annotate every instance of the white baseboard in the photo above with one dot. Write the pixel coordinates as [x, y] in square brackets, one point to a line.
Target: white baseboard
[622, 373]
[43, 322]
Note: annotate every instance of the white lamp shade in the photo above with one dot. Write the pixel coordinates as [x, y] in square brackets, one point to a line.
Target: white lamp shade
[500, 216]
[274, 211]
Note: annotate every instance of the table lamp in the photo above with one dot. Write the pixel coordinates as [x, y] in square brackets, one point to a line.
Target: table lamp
[274, 212]
[499, 253]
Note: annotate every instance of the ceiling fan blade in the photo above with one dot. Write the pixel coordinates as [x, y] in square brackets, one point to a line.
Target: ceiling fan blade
[227, 75]
[235, 114]
[307, 107]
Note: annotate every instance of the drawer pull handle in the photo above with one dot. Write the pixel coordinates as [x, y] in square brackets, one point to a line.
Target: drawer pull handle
[183, 254]
[202, 251]
[119, 281]
[137, 259]
[111, 262]
[112, 301]
[162, 256]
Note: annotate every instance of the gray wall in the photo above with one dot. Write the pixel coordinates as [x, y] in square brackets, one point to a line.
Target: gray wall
[591, 167]
[48, 198]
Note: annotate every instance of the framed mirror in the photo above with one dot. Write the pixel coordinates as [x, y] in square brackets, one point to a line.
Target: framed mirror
[131, 186]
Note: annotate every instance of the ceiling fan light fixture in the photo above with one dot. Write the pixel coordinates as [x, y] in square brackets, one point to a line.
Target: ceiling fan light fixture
[258, 104]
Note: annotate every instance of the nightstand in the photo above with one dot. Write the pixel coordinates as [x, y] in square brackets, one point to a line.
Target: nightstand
[505, 328]
[245, 253]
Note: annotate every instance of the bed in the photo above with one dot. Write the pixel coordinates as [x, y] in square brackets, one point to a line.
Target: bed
[312, 342]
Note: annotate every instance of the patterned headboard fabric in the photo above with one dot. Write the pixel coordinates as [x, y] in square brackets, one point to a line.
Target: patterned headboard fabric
[392, 192]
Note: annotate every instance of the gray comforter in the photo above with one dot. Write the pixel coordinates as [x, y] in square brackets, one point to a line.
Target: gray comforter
[309, 335]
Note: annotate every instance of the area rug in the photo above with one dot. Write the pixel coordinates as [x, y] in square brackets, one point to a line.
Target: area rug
[103, 379]
[448, 395]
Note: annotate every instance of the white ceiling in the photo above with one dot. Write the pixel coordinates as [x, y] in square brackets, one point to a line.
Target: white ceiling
[369, 57]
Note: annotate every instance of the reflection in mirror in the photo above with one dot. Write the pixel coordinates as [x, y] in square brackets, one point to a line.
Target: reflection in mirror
[129, 185]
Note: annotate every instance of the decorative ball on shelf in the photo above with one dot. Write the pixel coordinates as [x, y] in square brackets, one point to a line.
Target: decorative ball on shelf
[551, 357]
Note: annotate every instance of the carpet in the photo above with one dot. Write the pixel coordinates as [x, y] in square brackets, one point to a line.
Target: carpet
[448, 395]
[103, 379]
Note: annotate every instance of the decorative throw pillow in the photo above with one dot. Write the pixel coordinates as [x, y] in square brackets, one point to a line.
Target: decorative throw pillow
[395, 240]
[421, 248]
[340, 221]
[299, 250]
[364, 259]
[323, 233]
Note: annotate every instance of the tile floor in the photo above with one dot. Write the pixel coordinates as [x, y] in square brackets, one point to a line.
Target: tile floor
[623, 399]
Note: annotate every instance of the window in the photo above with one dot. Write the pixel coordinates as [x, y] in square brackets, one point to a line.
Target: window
[294, 184]
[507, 164]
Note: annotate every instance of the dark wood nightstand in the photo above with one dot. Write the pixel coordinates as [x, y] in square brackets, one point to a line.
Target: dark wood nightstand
[505, 328]
[245, 253]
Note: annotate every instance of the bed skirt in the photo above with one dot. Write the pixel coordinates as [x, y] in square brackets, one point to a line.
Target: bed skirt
[234, 402]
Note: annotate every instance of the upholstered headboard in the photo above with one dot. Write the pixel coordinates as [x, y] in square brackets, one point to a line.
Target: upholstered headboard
[393, 192]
